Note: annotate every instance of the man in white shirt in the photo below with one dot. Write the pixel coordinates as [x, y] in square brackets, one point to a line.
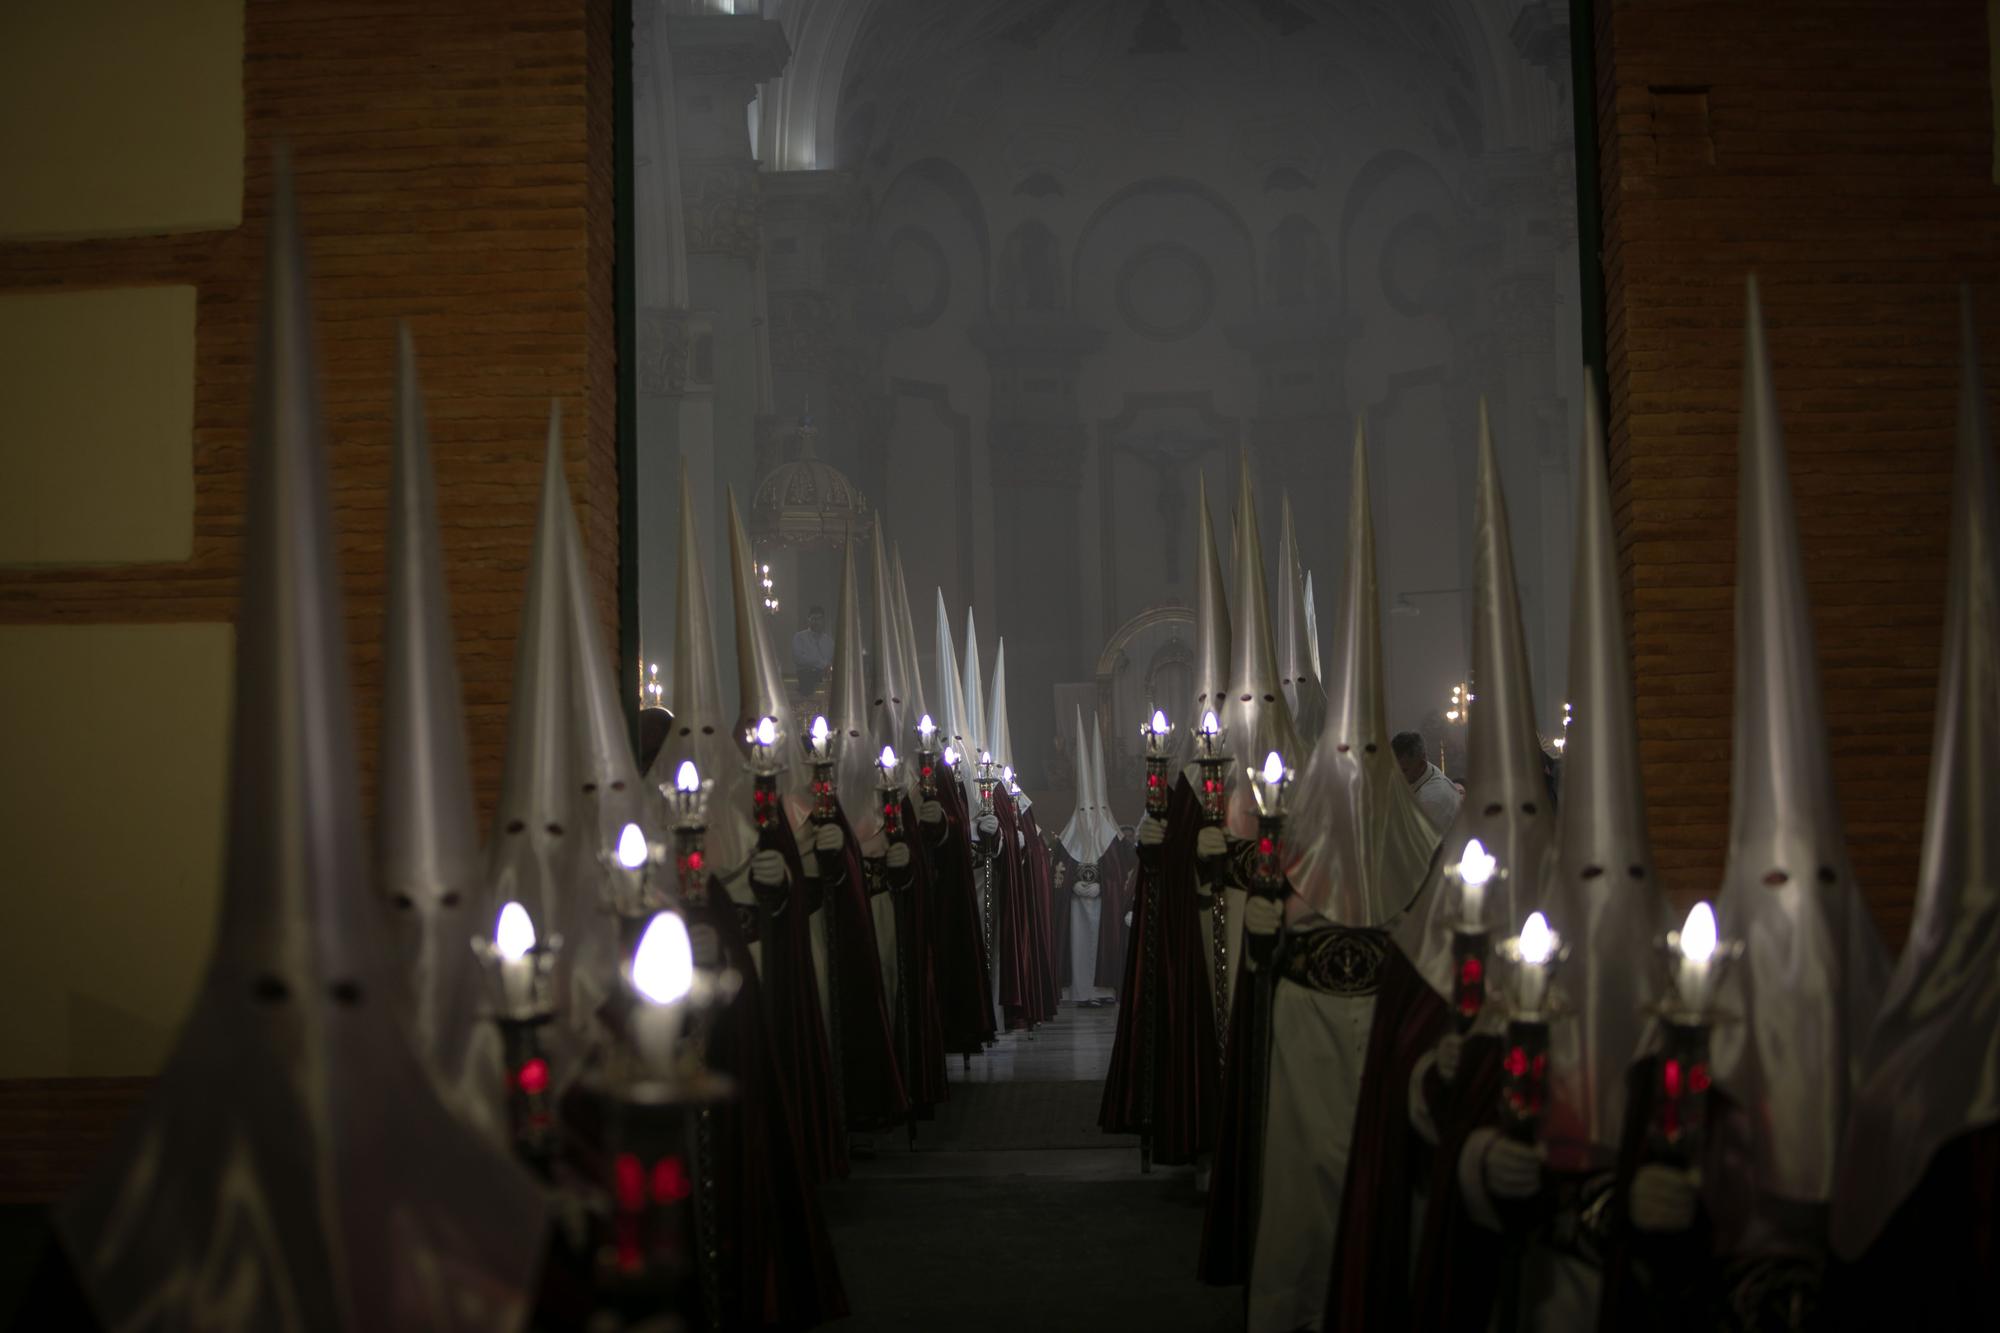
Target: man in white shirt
[1437, 795]
[812, 652]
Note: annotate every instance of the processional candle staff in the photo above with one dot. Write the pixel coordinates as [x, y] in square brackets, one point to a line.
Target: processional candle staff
[1469, 937]
[517, 967]
[1535, 954]
[765, 767]
[821, 745]
[889, 793]
[1267, 868]
[987, 848]
[927, 757]
[1214, 760]
[691, 832]
[660, 1253]
[1696, 960]
[1158, 736]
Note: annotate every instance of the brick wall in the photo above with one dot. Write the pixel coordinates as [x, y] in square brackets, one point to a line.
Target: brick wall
[1844, 153]
[453, 165]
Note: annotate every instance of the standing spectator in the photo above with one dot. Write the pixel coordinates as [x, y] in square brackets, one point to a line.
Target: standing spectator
[1436, 794]
[812, 653]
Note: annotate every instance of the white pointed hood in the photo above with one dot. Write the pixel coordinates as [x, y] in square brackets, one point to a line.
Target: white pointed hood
[293, 1166]
[1362, 845]
[1083, 837]
[1813, 968]
[1506, 803]
[1298, 647]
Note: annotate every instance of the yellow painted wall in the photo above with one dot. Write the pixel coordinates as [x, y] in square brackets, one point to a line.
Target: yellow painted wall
[115, 741]
[97, 426]
[120, 117]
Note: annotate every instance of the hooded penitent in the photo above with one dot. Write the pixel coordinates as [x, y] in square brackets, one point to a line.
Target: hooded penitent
[1933, 1066]
[915, 706]
[1506, 803]
[957, 727]
[704, 731]
[609, 794]
[1211, 629]
[1255, 718]
[1298, 654]
[848, 711]
[974, 702]
[426, 834]
[1601, 895]
[888, 704]
[293, 1166]
[1312, 627]
[1812, 970]
[760, 681]
[999, 736]
[1363, 846]
[1084, 837]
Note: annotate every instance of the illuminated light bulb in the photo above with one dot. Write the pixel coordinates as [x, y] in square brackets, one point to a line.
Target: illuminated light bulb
[1209, 724]
[514, 933]
[632, 849]
[819, 732]
[1698, 934]
[925, 727]
[985, 756]
[686, 779]
[663, 966]
[767, 731]
[1538, 942]
[654, 669]
[1274, 767]
[886, 760]
[1451, 715]
[1475, 868]
[950, 757]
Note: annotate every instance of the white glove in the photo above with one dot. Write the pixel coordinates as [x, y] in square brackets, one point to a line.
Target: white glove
[899, 855]
[1210, 842]
[1261, 915]
[930, 812]
[1128, 920]
[1512, 1169]
[1663, 1198]
[829, 838]
[989, 825]
[767, 868]
[1152, 832]
[1448, 1052]
[1020, 838]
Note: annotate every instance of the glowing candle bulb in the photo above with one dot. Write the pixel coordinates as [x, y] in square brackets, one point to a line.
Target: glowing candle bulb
[514, 933]
[1536, 946]
[950, 756]
[1274, 767]
[886, 760]
[663, 965]
[1697, 947]
[925, 728]
[1209, 724]
[632, 849]
[686, 779]
[819, 734]
[1475, 868]
[767, 731]
[1160, 725]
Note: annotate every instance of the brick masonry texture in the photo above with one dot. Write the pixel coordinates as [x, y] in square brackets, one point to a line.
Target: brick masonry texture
[453, 163]
[1843, 152]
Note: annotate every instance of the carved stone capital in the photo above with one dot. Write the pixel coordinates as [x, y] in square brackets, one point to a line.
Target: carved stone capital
[719, 199]
[675, 350]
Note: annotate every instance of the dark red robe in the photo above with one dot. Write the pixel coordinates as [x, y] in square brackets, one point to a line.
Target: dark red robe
[1062, 888]
[1013, 928]
[798, 1028]
[965, 985]
[923, 1075]
[1933, 1267]
[776, 1261]
[1461, 1265]
[1186, 1071]
[1227, 1224]
[871, 1081]
[1116, 871]
[1041, 911]
[1370, 1284]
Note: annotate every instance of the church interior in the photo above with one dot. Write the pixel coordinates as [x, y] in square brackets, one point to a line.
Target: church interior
[1196, 665]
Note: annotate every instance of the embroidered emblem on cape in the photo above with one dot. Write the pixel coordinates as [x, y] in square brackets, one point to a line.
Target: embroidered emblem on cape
[1337, 961]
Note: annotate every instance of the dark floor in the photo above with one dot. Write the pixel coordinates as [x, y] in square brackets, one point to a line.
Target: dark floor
[1014, 1211]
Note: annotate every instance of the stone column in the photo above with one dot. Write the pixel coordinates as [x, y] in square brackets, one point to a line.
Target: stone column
[1035, 446]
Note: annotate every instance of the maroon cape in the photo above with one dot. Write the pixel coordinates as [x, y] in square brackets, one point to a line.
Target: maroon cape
[923, 1071]
[1932, 1268]
[1227, 1225]
[1062, 888]
[1116, 870]
[1039, 882]
[965, 985]
[871, 1081]
[798, 1029]
[776, 1263]
[1013, 928]
[1460, 1264]
[1370, 1284]
[1185, 1073]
